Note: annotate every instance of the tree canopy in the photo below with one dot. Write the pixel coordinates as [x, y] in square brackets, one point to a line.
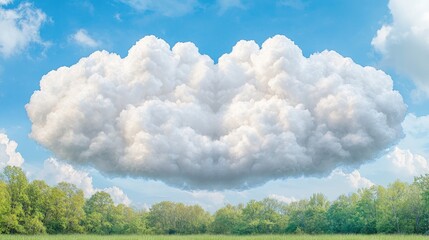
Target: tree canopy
[37, 208]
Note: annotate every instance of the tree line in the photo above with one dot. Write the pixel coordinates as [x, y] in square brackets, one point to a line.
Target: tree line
[37, 208]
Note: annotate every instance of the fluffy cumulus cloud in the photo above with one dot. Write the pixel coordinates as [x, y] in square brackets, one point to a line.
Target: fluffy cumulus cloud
[354, 179]
[82, 38]
[8, 154]
[404, 43]
[55, 172]
[412, 164]
[415, 162]
[261, 113]
[19, 27]
[408, 159]
[118, 196]
[169, 8]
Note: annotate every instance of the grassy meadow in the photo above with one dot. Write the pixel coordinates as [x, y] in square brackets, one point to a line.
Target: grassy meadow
[213, 237]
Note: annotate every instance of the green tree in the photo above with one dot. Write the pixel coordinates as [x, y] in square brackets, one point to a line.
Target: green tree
[177, 218]
[342, 215]
[127, 221]
[38, 194]
[227, 220]
[194, 219]
[422, 184]
[413, 209]
[17, 184]
[366, 210]
[33, 225]
[309, 216]
[253, 218]
[119, 217]
[316, 215]
[139, 223]
[390, 208]
[297, 217]
[55, 217]
[264, 216]
[74, 202]
[5, 207]
[163, 218]
[98, 209]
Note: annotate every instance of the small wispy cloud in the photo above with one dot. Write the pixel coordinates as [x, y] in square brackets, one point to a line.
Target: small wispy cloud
[297, 4]
[82, 38]
[168, 8]
[20, 27]
[118, 17]
[225, 5]
[5, 2]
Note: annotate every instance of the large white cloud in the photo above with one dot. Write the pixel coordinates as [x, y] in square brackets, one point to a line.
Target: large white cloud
[8, 154]
[261, 113]
[19, 27]
[404, 43]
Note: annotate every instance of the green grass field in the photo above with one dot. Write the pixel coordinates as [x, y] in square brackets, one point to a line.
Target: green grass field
[214, 237]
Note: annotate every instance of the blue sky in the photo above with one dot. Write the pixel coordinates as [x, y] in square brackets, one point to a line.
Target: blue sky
[70, 30]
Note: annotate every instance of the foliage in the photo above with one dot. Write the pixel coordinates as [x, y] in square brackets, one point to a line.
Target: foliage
[37, 208]
[177, 218]
[214, 237]
[227, 220]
